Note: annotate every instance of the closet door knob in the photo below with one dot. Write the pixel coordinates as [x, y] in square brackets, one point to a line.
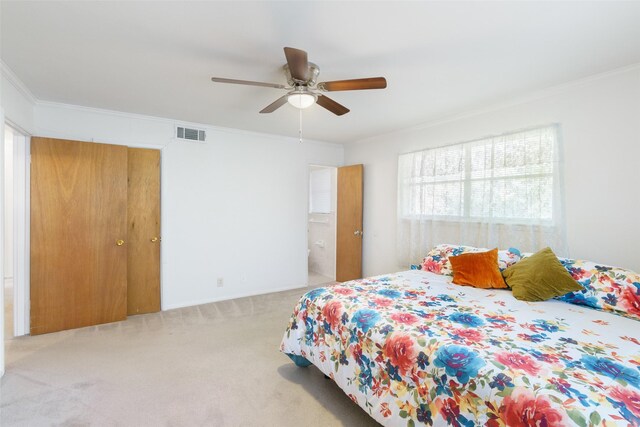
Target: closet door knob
[119, 242]
[155, 239]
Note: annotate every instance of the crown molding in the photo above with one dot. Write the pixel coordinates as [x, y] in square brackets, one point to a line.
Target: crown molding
[177, 122]
[17, 83]
[519, 100]
[24, 90]
[437, 121]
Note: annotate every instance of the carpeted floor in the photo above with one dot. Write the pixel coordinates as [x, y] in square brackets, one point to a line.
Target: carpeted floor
[317, 279]
[8, 308]
[211, 365]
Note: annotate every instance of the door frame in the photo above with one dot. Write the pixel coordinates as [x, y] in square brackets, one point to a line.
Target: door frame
[21, 214]
[335, 228]
[21, 260]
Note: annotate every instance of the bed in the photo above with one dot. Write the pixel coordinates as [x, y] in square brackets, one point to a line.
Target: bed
[412, 348]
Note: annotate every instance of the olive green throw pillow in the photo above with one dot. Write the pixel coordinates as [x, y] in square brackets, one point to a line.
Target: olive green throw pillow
[539, 277]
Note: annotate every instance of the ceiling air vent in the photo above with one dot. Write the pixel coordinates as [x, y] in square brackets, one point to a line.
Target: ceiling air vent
[190, 134]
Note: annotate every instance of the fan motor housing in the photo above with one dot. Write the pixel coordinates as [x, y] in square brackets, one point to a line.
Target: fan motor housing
[314, 71]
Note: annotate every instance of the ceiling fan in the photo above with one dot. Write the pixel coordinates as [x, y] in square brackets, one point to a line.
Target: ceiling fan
[303, 91]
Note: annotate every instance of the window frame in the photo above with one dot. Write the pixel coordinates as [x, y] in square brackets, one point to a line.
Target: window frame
[465, 217]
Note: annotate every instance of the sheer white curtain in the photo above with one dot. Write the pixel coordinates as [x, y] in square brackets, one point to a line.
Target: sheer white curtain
[502, 191]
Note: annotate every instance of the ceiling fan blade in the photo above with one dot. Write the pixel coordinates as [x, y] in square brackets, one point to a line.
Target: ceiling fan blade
[298, 63]
[354, 84]
[275, 105]
[246, 82]
[331, 105]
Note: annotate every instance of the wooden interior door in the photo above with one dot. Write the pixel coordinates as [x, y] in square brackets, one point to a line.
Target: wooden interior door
[349, 224]
[143, 265]
[78, 231]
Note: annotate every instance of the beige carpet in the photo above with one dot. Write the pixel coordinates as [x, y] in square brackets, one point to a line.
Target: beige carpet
[8, 308]
[211, 365]
[317, 279]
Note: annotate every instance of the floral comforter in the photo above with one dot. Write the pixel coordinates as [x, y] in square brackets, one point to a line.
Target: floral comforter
[413, 349]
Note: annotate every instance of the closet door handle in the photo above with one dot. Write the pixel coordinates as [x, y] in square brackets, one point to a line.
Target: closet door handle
[119, 242]
[153, 240]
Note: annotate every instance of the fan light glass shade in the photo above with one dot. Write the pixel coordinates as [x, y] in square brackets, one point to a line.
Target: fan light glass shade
[301, 100]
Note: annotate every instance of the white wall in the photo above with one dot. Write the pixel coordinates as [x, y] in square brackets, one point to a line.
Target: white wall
[234, 207]
[600, 126]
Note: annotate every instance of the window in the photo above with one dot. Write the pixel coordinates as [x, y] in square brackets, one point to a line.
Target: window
[501, 191]
[508, 178]
[320, 191]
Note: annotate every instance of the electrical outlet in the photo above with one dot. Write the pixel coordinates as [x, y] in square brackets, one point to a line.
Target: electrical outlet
[220, 282]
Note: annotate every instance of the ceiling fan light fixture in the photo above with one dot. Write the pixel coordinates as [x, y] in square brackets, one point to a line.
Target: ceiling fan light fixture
[303, 91]
[301, 100]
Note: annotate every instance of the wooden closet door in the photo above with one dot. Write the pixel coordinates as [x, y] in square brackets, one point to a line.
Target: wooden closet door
[78, 220]
[143, 268]
[349, 223]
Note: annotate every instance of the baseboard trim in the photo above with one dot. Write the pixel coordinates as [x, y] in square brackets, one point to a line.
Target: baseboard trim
[230, 297]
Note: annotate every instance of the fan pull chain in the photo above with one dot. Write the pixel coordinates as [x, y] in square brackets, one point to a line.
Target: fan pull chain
[300, 126]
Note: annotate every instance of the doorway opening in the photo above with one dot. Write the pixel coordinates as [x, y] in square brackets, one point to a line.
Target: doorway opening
[321, 227]
[15, 229]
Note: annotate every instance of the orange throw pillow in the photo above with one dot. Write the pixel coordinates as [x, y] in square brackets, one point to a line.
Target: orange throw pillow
[479, 270]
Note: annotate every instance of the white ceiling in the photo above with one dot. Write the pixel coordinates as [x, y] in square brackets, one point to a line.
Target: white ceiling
[439, 58]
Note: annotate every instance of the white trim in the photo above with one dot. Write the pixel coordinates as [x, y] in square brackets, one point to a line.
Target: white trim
[163, 214]
[108, 141]
[21, 234]
[174, 123]
[236, 296]
[2, 241]
[17, 83]
[24, 90]
[520, 100]
[306, 209]
[335, 226]
[436, 121]
[17, 127]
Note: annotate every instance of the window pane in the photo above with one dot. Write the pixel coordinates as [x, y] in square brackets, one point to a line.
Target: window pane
[443, 199]
[508, 177]
[512, 198]
[480, 164]
[320, 191]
